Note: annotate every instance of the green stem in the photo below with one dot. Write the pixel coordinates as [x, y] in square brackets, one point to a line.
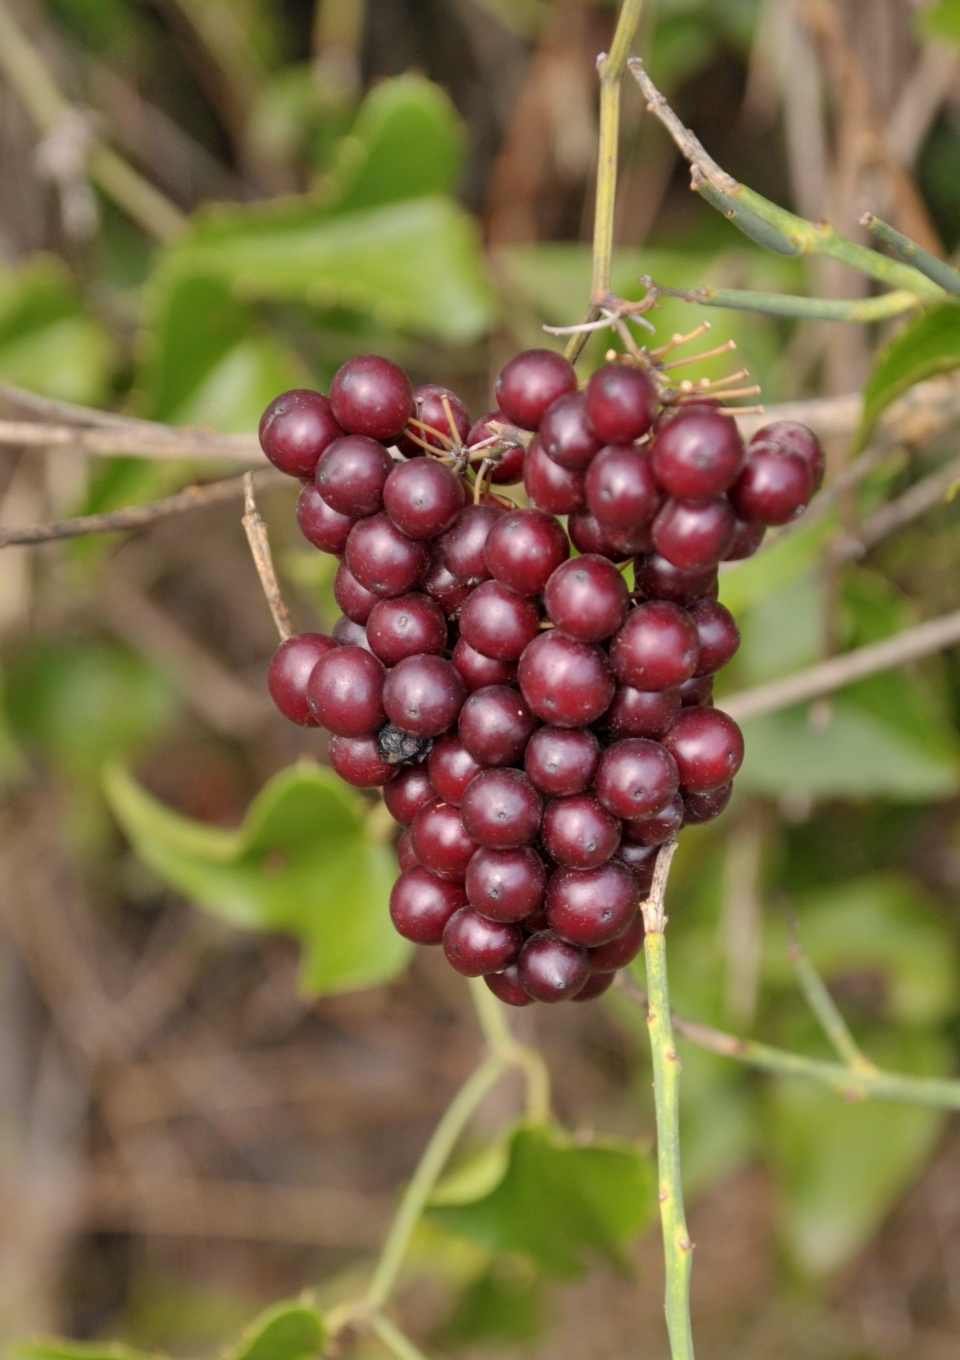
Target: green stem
[677, 1247]
[397, 1342]
[912, 253]
[787, 304]
[827, 1012]
[428, 1172]
[492, 1016]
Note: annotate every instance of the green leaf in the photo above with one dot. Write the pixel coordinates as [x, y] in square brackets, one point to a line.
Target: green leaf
[942, 20]
[552, 1200]
[928, 346]
[287, 1331]
[304, 861]
[505, 1303]
[840, 1166]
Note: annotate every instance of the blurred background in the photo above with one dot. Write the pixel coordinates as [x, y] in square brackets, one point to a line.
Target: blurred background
[184, 1135]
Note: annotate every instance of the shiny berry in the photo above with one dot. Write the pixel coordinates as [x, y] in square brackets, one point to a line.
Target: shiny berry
[619, 951]
[551, 970]
[703, 807]
[641, 860]
[382, 558]
[430, 405]
[636, 778]
[656, 830]
[495, 725]
[697, 455]
[357, 760]
[421, 905]
[321, 525]
[641, 712]
[475, 945]
[656, 648]
[423, 695]
[567, 435]
[290, 670]
[561, 760]
[595, 985]
[694, 534]
[441, 843]
[406, 859]
[550, 487]
[345, 692]
[707, 746]
[423, 497]
[775, 486]
[354, 599]
[748, 536]
[524, 548]
[587, 598]
[718, 636]
[350, 634]
[462, 548]
[501, 445]
[659, 579]
[372, 396]
[295, 429]
[588, 535]
[506, 885]
[697, 690]
[498, 622]
[351, 475]
[798, 439]
[578, 832]
[588, 907]
[441, 585]
[530, 383]
[506, 987]
[620, 487]
[477, 671]
[621, 402]
[566, 683]
[408, 793]
[451, 768]
[501, 809]
[406, 626]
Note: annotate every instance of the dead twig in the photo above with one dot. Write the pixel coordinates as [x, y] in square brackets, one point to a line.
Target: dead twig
[135, 439]
[256, 532]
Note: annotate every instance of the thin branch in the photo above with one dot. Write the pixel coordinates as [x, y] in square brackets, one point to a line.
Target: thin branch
[65, 412]
[917, 500]
[912, 253]
[397, 1342]
[492, 1016]
[135, 439]
[828, 676]
[825, 1008]
[256, 532]
[139, 516]
[654, 917]
[790, 304]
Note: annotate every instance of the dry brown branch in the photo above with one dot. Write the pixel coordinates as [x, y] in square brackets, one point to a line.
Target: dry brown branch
[917, 500]
[654, 914]
[256, 532]
[828, 676]
[134, 439]
[139, 516]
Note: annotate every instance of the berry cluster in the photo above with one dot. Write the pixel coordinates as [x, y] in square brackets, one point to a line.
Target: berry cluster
[538, 730]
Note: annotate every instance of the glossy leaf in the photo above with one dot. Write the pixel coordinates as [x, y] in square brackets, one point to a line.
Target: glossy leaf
[303, 861]
[288, 1331]
[927, 347]
[547, 1198]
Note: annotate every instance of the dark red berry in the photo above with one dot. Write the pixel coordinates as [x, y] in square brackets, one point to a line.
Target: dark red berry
[321, 525]
[697, 455]
[477, 671]
[422, 904]
[441, 585]
[641, 712]
[747, 538]
[578, 832]
[430, 405]
[707, 746]
[354, 599]
[694, 534]
[441, 843]
[462, 548]
[351, 475]
[495, 725]
[345, 692]
[475, 945]
[636, 778]
[656, 830]
[530, 383]
[350, 634]
[697, 690]
[566, 683]
[641, 860]
[501, 809]
[703, 807]
[290, 671]
[587, 598]
[595, 985]
[661, 580]
[295, 429]
[382, 558]
[588, 535]
[406, 859]
[506, 885]
[588, 907]
[506, 987]
[551, 970]
[656, 648]
[502, 445]
[537, 920]
[372, 396]
[406, 626]
[775, 486]
[561, 760]
[423, 695]
[798, 439]
[620, 487]
[357, 760]
[717, 635]
[423, 497]
[619, 951]
[549, 486]
[451, 768]
[621, 402]
[498, 622]
[567, 435]
[408, 793]
[524, 548]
